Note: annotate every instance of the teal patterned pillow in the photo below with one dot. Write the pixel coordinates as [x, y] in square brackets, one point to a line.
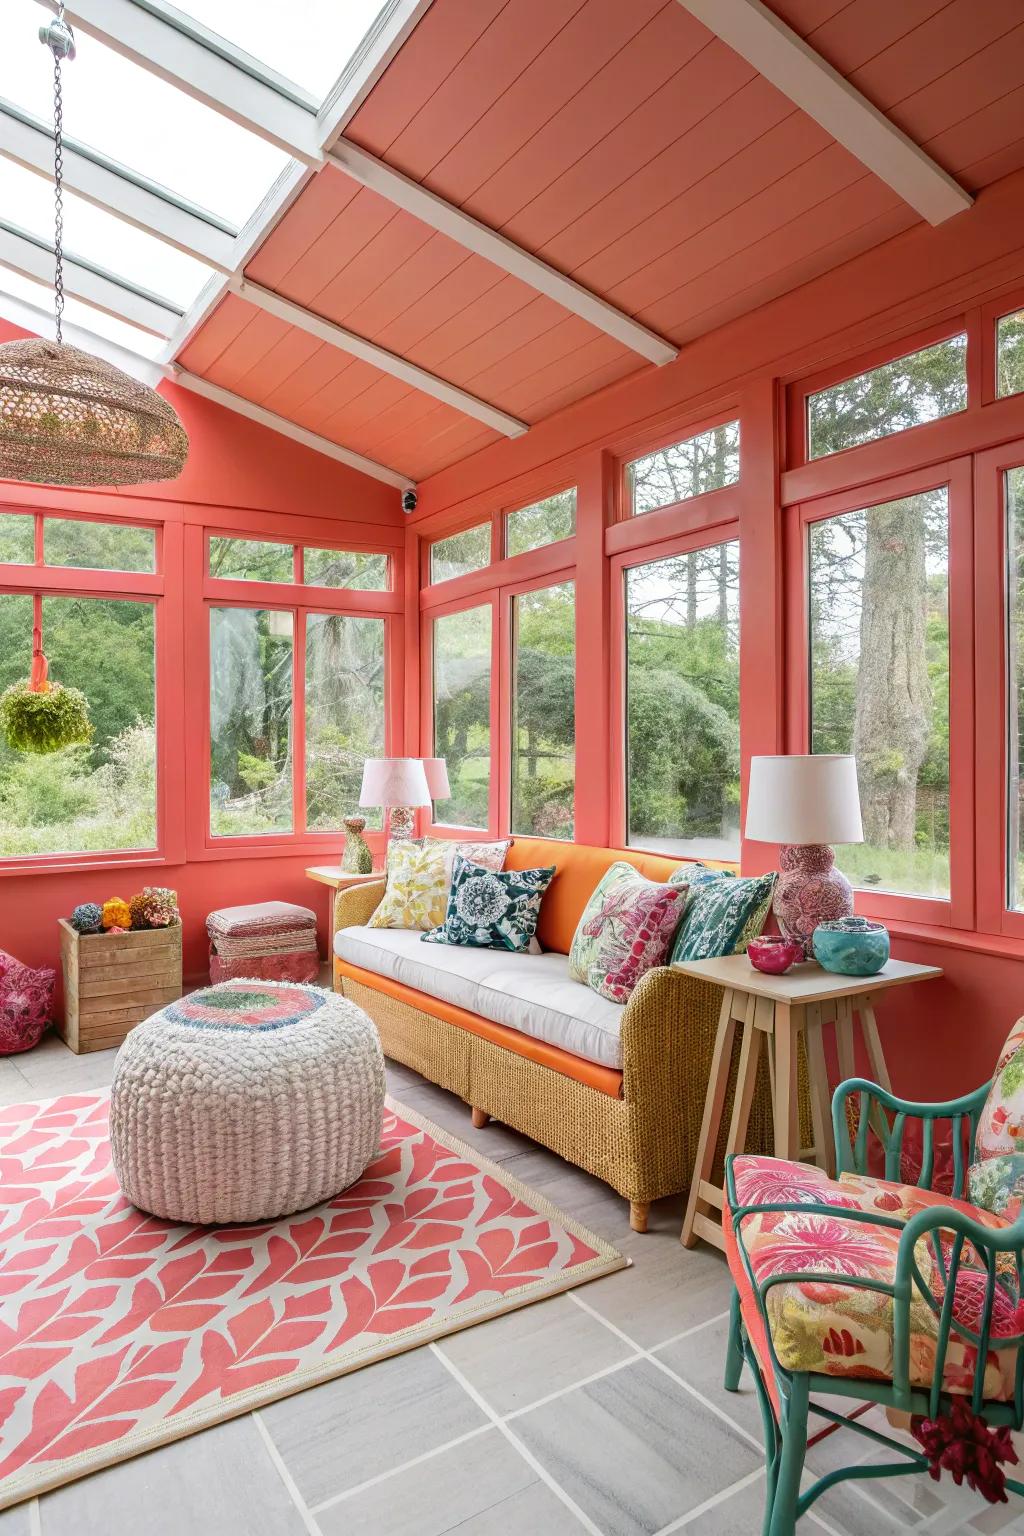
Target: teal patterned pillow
[491, 909]
[722, 915]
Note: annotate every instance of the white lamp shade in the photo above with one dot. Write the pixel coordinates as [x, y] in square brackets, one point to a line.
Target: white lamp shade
[809, 799]
[436, 770]
[394, 781]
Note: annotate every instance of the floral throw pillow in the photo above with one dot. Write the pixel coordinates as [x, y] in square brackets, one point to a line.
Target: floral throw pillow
[722, 915]
[26, 1004]
[420, 877]
[997, 1185]
[625, 930]
[1001, 1127]
[492, 909]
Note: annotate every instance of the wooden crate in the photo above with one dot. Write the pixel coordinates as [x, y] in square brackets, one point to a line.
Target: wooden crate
[112, 981]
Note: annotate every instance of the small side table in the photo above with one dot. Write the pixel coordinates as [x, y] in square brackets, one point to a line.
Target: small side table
[339, 880]
[774, 1010]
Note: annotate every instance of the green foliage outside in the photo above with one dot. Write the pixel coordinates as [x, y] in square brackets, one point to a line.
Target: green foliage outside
[1010, 353]
[95, 797]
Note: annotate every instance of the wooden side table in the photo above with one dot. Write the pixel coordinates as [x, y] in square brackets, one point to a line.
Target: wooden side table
[339, 880]
[774, 1010]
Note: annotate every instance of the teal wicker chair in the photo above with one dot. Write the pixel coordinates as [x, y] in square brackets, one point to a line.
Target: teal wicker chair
[882, 1291]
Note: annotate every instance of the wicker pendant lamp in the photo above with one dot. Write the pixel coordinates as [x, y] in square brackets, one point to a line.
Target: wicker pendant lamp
[66, 417]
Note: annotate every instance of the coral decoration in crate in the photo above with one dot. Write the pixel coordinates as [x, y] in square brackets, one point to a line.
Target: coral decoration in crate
[121, 962]
[266, 940]
[26, 1004]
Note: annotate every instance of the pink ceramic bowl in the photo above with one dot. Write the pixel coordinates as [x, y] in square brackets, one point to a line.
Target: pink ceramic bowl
[773, 954]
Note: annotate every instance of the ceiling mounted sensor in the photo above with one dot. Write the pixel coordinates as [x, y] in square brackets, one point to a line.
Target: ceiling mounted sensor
[66, 417]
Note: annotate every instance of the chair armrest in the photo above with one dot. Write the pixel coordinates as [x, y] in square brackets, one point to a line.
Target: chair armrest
[872, 1108]
[354, 908]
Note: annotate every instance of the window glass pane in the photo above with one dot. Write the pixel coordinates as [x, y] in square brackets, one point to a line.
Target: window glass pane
[306, 41]
[1010, 353]
[544, 711]
[344, 713]
[100, 797]
[879, 625]
[354, 569]
[683, 703]
[1014, 487]
[250, 721]
[461, 553]
[17, 539]
[545, 522]
[100, 237]
[462, 714]
[901, 394]
[97, 321]
[691, 468]
[98, 546]
[251, 560]
[132, 116]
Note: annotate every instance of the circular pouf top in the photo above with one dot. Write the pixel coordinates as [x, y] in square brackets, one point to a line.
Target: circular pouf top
[246, 1101]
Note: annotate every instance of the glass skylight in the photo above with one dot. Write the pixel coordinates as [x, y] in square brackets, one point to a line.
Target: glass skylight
[307, 41]
[132, 116]
[26, 200]
[76, 313]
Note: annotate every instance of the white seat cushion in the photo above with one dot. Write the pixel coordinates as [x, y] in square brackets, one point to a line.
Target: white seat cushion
[531, 993]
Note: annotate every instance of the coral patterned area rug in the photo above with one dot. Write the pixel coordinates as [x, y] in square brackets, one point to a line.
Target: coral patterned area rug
[120, 1331]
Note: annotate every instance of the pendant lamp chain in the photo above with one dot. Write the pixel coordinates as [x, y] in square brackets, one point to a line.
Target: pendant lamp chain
[54, 42]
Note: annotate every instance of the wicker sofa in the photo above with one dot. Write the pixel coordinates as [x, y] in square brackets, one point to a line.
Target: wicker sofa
[631, 1118]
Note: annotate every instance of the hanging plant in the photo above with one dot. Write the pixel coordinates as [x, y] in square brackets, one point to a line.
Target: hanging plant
[37, 715]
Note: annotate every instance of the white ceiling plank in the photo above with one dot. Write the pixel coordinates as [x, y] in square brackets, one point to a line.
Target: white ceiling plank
[254, 412]
[106, 185]
[196, 61]
[34, 258]
[378, 357]
[494, 247]
[792, 65]
[393, 26]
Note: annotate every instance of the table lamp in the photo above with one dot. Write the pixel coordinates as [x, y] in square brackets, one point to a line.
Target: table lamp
[806, 803]
[398, 784]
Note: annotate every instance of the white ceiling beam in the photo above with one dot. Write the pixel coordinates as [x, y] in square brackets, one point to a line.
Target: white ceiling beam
[378, 357]
[792, 65]
[23, 253]
[107, 185]
[243, 407]
[474, 236]
[393, 26]
[197, 61]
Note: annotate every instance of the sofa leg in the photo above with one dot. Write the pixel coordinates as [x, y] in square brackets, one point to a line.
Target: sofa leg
[638, 1210]
[480, 1118]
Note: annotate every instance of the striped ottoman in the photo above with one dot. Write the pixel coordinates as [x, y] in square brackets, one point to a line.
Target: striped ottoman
[246, 1101]
[272, 940]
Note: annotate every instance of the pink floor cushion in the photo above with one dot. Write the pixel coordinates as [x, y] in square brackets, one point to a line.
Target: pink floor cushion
[266, 940]
[26, 1004]
[836, 1328]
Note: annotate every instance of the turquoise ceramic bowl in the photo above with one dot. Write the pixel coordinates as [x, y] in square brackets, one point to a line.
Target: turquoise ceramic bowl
[851, 946]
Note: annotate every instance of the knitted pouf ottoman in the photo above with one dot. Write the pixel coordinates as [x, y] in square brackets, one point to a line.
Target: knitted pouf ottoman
[246, 1101]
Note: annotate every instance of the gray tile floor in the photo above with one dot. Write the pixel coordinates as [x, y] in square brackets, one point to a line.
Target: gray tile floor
[600, 1411]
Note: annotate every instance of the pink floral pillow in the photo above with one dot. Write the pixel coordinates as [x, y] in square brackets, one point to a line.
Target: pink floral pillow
[26, 1004]
[626, 929]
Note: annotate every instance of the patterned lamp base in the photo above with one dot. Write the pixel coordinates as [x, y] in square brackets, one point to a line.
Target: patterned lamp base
[810, 891]
[402, 821]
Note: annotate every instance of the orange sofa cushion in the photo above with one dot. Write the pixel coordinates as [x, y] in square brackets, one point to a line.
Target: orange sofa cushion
[605, 1079]
[579, 868]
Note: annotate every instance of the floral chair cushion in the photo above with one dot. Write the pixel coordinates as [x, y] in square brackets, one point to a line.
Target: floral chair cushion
[838, 1329]
[997, 1185]
[492, 909]
[1001, 1127]
[420, 877]
[625, 930]
[26, 1004]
